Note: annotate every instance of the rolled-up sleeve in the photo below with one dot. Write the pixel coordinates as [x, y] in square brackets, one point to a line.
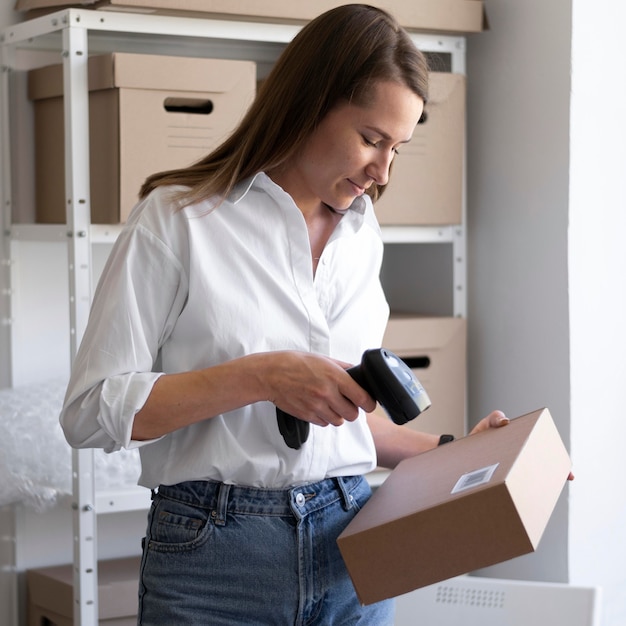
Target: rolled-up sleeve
[137, 302]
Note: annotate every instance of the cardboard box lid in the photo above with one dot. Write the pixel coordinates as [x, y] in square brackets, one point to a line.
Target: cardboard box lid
[412, 335]
[430, 15]
[474, 502]
[52, 588]
[145, 71]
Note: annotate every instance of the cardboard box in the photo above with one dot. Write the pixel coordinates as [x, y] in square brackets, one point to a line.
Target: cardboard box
[51, 593]
[427, 176]
[147, 113]
[450, 16]
[468, 504]
[435, 348]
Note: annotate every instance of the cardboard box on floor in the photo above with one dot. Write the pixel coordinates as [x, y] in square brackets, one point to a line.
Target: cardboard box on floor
[435, 349]
[429, 15]
[51, 593]
[147, 113]
[426, 181]
[468, 504]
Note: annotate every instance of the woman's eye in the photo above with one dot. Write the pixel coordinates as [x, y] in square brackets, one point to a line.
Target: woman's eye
[377, 144]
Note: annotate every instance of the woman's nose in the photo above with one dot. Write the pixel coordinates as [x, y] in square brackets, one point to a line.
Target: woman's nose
[378, 169]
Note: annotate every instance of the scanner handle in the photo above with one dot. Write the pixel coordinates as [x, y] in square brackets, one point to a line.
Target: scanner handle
[294, 431]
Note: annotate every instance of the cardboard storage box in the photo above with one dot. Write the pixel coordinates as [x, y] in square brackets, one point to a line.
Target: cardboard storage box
[468, 504]
[147, 113]
[427, 176]
[430, 15]
[435, 348]
[51, 593]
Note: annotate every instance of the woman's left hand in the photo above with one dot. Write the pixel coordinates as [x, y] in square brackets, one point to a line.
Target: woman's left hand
[495, 419]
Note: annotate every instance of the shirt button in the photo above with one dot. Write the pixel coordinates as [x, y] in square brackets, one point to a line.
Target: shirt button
[300, 499]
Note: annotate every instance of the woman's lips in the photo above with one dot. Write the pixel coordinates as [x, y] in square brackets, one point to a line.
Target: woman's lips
[359, 191]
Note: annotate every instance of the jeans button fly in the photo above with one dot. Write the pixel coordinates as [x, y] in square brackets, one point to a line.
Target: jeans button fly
[300, 499]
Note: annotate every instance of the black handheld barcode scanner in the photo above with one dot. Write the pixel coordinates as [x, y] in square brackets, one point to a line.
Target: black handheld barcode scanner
[387, 378]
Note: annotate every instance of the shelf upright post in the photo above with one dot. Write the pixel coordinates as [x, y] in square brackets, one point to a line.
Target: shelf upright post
[7, 56]
[459, 236]
[8, 547]
[78, 215]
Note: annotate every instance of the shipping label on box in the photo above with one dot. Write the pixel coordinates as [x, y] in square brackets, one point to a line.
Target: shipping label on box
[147, 113]
[426, 180]
[469, 504]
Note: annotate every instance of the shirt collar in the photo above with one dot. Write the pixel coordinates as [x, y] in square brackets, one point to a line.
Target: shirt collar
[241, 189]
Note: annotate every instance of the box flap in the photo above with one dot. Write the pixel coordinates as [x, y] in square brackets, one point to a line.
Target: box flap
[146, 71]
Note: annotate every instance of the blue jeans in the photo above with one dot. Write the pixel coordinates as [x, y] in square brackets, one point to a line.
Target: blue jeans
[224, 555]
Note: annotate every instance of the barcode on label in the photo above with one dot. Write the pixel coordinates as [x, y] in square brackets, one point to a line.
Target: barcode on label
[473, 479]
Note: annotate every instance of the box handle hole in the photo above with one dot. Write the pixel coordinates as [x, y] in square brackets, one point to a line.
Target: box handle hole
[188, 105]
[417, 362]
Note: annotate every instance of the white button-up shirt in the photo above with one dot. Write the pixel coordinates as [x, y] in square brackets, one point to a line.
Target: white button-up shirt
[192, 288]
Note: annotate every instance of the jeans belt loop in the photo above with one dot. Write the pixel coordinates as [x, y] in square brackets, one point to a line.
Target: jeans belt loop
[348, 500]
[222, 504]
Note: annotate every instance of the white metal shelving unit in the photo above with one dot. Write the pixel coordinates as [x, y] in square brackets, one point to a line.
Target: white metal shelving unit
[74, 34]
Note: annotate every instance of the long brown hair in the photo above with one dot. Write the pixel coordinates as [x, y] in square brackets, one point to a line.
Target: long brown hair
[337, 56]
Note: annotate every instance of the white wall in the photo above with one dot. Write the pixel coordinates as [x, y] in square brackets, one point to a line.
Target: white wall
[518, 173]
[547, 295]
[597, 259]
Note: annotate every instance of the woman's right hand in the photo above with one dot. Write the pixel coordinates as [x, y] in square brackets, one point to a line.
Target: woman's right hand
[314, 388]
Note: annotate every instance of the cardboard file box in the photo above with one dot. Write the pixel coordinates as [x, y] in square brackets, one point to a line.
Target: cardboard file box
[435, 348]
[430, 15]
[426, 181]
[147, 113]
[51, 594]
[468, 504]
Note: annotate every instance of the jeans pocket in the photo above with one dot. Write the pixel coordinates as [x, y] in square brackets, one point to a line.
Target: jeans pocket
[177, 526]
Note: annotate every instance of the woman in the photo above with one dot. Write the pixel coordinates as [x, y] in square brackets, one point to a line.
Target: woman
[247, 282]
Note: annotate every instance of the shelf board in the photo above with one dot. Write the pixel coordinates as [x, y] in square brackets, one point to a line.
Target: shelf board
[169, 27]
[126, 31]
[122, 500]
[419, 234]
[38, 232]
[99, 233]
